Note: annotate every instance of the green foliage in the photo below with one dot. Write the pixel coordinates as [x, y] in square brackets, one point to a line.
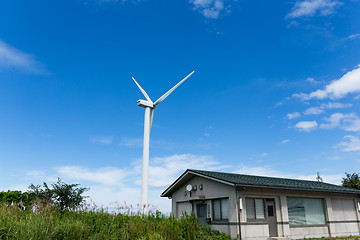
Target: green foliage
[16, 197]
[49, 223]
[62, 195]
[351, 181]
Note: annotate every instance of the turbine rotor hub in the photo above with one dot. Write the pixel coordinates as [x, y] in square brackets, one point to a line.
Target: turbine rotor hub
[145, 104]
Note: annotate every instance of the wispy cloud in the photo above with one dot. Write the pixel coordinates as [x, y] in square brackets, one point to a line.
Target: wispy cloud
[314, 111]
[312, 81]
[309, 8]
[164, 170]
[306, 126]
[353, 144]
[210, 8]
[107, 176]
[347, 122]
[293, 115]
[329, 178]
[102, 140]
[322, 107]
[285, 141]
[115, 185]
[261, 171]
[347, 84]
[12, 58]
[353, 36]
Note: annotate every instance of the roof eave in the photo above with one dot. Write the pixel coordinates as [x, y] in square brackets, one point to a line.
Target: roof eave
[298, 189]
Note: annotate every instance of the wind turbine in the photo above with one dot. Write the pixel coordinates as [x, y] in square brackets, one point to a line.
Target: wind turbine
[149, 116]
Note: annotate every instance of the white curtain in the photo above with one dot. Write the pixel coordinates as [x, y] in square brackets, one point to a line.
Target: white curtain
[217, 214]
[314, 211]
[306, 211]
[225, 208]
[250, 208]
[259, 208]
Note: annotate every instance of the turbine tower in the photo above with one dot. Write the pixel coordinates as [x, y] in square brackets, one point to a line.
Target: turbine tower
[149, 115]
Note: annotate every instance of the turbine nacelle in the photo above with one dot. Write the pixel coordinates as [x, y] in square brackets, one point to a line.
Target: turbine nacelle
[145, 104]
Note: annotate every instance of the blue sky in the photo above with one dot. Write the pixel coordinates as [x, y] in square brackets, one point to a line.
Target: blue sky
[276, 91]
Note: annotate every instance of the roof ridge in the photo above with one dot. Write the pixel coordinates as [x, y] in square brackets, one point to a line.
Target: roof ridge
[250, 175]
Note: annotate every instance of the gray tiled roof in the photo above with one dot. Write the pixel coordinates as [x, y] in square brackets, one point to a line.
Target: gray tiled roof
[272, 182]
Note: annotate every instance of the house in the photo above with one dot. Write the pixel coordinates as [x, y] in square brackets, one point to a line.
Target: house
[266, 206]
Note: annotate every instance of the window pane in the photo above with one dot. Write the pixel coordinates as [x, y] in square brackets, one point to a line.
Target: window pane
[259, 208]
[270, 210]
[201, 210]
[296, 211]
[224, 209]
[314, 211]
[217, 209]
[250, 208]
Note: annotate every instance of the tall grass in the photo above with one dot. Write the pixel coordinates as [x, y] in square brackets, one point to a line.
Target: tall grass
[49, 223]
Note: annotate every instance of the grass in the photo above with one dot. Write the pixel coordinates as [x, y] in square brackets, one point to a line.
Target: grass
[48, 223]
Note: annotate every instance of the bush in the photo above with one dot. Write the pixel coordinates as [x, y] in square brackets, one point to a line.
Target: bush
[17, 198]
[62, 195]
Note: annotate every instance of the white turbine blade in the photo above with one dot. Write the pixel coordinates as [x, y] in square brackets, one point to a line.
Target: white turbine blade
[171, 90]
[151, 117]
[142, 90]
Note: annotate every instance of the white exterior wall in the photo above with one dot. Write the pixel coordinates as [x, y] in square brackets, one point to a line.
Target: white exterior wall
[345, 217]
[309, 232]
[211, 190]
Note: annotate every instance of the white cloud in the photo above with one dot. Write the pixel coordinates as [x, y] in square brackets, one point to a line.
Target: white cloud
[309, 8]
[348, 122]
[312, 81]
[268, 171]
[353, 36]
[306, 126]
[12, 58]
[328, 178]
[285, 141]
[108, 175]
[102, 140]
[164, 170]
[261, 171]
[120, 184]
[329, 105]
[347, 84]
[350, 146]
[314, 111]
[293, 115]
[335, 105]
[209, 8]
[112, 186]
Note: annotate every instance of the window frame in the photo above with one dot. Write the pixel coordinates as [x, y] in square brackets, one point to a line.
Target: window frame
[221, 219]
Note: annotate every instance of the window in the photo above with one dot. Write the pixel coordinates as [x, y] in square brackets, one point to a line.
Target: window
[255, 208]
[305, 211]
[221, 209]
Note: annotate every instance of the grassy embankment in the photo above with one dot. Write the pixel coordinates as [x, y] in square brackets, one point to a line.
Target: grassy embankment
[48, 223]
